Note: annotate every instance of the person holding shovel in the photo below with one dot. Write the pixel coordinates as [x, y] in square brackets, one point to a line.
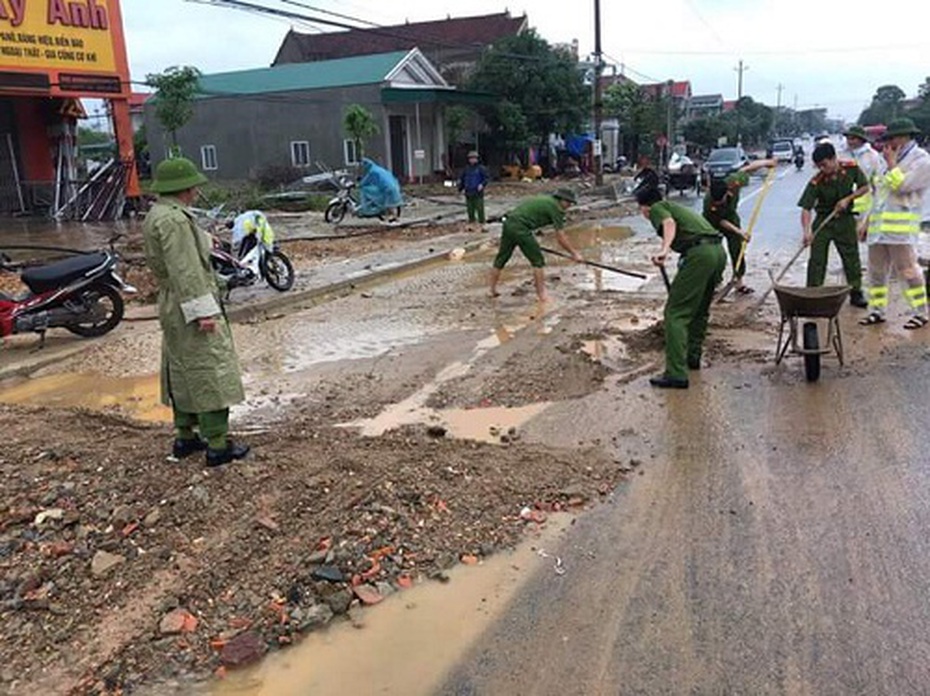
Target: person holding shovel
[831, 194]
[721, 209]
[701, 264]
[519, 230]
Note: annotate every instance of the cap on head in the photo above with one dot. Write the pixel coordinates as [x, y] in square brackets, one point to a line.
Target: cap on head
[564, 194]
[901, 126]
[822, 152]
[176, 175]
[648, 195]
[472, 154]
[856, 132]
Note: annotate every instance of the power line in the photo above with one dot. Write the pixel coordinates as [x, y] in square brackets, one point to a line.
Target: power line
[794, 52]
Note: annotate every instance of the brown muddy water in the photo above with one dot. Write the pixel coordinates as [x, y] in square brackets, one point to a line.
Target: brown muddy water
[411, 640]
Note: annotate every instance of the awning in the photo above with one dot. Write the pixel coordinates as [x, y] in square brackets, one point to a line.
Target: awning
[399, 95]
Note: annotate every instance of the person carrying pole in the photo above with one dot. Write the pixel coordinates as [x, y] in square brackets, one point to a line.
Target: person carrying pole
[833, 189]
[721, 209]
[895, 223]
[519, 227]
[701, 264]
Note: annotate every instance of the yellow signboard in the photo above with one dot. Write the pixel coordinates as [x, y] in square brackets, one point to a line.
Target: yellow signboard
[76, 35]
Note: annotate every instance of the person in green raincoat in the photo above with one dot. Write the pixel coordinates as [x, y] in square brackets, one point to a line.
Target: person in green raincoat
[200, 377]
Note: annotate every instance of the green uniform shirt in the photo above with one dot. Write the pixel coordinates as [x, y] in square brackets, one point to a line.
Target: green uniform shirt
[536, 212]
[728, 208]
[689, 225]
[823, 192]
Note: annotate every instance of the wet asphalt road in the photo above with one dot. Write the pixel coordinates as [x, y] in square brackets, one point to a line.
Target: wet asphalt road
[776, 544]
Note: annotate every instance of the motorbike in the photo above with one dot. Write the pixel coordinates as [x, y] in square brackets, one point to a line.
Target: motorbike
[80, 294]
[258, 259]
[346, 202]
[799, 161]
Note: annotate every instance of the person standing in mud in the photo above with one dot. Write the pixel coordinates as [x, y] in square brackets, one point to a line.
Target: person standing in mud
[520, 226]
[700, 269]
[200, 377]
[472, 183]
[721, 209]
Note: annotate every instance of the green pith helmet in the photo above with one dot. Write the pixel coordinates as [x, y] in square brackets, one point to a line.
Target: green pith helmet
[566, 195]
[176, 175]
[901, 126]
[856, 132]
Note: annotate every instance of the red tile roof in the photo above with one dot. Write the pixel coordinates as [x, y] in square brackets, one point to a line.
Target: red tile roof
[458, 33]
[137, 99]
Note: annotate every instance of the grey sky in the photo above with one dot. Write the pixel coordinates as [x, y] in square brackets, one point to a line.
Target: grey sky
[818, 49]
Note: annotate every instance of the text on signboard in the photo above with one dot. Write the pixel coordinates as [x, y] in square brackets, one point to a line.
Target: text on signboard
[85, 14]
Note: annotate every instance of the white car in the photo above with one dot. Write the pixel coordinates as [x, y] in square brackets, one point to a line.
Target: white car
[783, 151]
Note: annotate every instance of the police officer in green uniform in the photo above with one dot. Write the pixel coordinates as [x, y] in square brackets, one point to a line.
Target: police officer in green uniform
[519, 227]
[700, 269]
[834, 188]
[721, 209]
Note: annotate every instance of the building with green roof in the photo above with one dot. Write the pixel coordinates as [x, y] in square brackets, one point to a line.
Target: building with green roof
[292, 115]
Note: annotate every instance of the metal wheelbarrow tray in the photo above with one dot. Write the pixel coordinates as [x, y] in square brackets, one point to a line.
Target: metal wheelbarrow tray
[810, 303]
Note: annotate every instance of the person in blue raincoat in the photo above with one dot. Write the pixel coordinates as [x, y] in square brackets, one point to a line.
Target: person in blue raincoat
[379, 192]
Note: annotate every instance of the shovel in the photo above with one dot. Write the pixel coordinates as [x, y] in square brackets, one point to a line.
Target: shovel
[595, 264]
[752, 223]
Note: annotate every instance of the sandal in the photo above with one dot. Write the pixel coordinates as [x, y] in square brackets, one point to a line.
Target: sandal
[872, 319]
[744, 290]
[916, 322]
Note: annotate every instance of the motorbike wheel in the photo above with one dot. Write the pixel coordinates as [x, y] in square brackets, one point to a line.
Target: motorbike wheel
[335, 212]
[113, 315]
[278, 270]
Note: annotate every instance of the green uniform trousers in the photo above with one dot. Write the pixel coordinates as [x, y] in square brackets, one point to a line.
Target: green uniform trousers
[734, 246]
[842, 233]
[688, 307]
[213, 426]
[513, 236]
[475, 205]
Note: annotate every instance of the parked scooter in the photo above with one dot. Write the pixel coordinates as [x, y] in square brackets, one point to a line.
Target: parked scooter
[80, 294]
[258, 259]
[346, 202]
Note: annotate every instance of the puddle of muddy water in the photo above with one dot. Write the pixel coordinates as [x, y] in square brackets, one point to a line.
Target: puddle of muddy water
[608, 348]
[136, 397]
[410, 641]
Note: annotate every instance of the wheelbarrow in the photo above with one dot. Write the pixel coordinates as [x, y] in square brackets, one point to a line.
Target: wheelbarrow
[821, 303]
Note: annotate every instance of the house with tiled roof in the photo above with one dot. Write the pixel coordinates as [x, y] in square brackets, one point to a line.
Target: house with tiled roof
[292, 115]
[453, 44]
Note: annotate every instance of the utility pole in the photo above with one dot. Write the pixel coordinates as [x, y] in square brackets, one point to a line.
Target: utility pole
[739, 97]
[778, 107]
[598, 99]
[668, 127]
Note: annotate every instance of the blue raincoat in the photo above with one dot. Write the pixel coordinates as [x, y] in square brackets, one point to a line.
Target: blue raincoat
[378, 190]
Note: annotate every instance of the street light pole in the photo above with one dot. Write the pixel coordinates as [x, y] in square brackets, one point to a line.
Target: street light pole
[598, 99]
[739, 97]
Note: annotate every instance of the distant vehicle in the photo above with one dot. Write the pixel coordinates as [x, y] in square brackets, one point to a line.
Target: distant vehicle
[782, 150]
[722, 162]
[822, 138]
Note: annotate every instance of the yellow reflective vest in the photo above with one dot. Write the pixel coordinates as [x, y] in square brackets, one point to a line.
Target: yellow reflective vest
[895, 217]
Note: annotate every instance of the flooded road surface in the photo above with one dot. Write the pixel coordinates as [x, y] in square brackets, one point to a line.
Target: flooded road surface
[409, 642]
[775, 544]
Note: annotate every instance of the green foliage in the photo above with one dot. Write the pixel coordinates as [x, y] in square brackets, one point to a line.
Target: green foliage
[706, 132]
[885, 106]
[541, 91]
[755, 121]
[457, 117]
[140, 141]
[89, 136]
[176, 89]
[360, 125]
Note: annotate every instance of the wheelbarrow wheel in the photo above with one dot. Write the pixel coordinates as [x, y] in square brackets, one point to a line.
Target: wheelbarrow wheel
[811, 342]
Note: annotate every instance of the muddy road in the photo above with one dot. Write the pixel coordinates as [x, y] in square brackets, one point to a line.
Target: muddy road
[754, 534]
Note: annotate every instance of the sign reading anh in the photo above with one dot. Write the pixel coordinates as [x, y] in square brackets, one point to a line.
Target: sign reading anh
[58, 34]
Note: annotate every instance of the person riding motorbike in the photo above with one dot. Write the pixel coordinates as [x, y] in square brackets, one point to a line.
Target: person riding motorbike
[799, 157]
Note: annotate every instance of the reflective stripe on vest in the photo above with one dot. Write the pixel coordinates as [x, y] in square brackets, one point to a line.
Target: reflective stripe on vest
[863, 203]
[893, 222]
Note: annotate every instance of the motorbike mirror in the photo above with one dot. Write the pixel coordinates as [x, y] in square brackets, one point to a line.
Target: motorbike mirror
[5, 261]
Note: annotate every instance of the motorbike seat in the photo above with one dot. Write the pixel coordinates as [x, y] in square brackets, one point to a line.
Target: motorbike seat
[55, 275]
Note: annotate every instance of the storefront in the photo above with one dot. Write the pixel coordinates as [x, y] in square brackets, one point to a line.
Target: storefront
[53, 53]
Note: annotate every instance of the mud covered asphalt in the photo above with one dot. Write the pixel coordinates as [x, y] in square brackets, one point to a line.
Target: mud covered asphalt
[766, 536]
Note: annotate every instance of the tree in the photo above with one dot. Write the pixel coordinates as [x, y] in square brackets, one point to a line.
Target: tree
[707, 131]
[885, 106]
[360, 125]
[923, 92]
[89, 136]
[176, 88]
[540, 91]
[641, 119]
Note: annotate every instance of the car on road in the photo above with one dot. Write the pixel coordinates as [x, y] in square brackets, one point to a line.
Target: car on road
[722, 162]
[782, 150]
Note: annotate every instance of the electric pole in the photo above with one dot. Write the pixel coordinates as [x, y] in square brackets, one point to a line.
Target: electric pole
[739, 97]
[778, 108]
[598, 99]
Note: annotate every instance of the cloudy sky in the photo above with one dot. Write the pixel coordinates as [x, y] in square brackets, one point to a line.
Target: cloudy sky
[825, 53]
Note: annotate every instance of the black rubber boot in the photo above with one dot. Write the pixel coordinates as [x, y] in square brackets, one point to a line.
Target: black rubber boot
[225, 456]
[185, 448]
[857, 299]
[666, 382]
[694, 363]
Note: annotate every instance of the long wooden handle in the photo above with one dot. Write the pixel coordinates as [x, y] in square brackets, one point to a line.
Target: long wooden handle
[632, 274]
[754, 217]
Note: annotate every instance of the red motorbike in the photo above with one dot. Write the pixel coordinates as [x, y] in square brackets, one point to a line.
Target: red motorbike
[80, 294]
